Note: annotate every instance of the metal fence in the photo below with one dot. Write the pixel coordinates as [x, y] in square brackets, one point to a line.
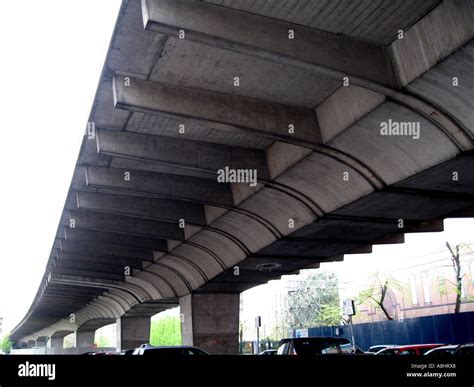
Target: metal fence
[445, 328]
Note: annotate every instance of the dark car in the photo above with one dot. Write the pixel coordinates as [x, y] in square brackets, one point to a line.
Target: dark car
[268, 352]
[167, 352]
[465, 350]
[316, 346]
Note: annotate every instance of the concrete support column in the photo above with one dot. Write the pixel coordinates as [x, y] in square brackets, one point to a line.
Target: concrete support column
[211, 321]
[55, 342]
[85, 339]
[132, 332]
[41, 343]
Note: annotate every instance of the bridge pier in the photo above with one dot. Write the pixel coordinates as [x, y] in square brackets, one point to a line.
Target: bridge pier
[56, 342]
[85, 338]
[132, 332]
[210, 321]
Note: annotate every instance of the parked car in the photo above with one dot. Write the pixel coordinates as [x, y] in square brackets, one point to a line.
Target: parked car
[443, 350]
[167, 352]
[268, 352]
[316, 346]
[465, 350]
[376, 348]
[415, 349]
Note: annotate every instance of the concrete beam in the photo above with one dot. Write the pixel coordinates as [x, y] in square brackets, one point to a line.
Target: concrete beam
[332, 54]
[224, 111]
[116, 239]
[128, 225]
[199, 155]
[433, 38]
[80, 256]
[345, 107]
[160, 209]
[106, 274]
[163, 185]
[103, 249]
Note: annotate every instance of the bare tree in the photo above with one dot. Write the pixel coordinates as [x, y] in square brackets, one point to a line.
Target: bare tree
[455, 258]
[377, 292]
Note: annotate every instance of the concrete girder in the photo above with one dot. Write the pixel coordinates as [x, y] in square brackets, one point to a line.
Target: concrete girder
[256, 35]
[113, 304]
[88, 275]
[224, 111]
[326, 182]
[116, 239]
[438, 34]
[125, 295]
[153, 293]
[124, 303]
[437, 87]
[169, 151]
[174, 278]
[209, 263]
[98, 267]
[160, 282]
[164, 209]
[105, 249]
[382, 152]
[91, 258]
[194, 274]
[95, 323]
[162, 185]
[129, 225]
[140, 207]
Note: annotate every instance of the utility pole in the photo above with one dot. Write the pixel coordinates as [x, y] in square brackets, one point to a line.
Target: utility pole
[457, 270]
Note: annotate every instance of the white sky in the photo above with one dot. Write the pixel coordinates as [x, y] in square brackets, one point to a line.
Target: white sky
[51, 57]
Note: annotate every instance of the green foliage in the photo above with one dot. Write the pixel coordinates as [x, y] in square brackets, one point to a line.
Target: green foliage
[103, 341]
[330, 315]
[68, 341]
[315, 301]
[166, 331]
[6, 344]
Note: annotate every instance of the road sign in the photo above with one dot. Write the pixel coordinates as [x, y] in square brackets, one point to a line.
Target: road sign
[301, 333]
[258, 321]
[348, 307]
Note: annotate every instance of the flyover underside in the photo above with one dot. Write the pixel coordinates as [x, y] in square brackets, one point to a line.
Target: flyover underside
[153, 215]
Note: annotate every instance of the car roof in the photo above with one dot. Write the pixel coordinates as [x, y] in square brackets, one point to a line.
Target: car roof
[314, 338]
[467, 345]
[409, 346]
[171, 347]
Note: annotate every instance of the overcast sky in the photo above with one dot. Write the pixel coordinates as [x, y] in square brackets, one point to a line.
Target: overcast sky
[52, 54]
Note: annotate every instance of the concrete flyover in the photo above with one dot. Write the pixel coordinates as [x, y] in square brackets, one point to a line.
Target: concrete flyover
[309, 94]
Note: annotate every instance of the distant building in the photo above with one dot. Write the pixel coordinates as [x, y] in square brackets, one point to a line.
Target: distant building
[428, 287]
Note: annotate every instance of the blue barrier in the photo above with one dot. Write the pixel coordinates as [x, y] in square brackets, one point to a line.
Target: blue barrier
[445, 328]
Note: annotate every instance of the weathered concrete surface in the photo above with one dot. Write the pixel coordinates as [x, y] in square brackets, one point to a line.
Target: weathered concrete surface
[211, 321]
[85, 338]
[132, 332]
